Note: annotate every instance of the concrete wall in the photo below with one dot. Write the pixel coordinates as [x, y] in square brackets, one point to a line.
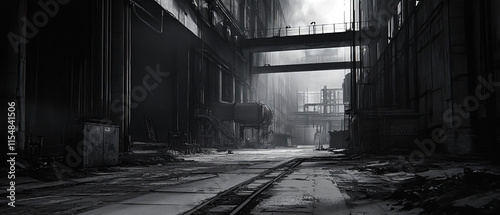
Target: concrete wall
[68, 71]
[430, 65]
[166, 62]
[125, 64]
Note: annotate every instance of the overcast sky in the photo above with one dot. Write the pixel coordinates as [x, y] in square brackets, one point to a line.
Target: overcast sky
[302, 13]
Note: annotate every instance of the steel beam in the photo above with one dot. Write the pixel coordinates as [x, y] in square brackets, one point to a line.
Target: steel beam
[301, 67]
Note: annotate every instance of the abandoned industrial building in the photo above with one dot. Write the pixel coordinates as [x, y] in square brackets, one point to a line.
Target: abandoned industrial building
[251, 107]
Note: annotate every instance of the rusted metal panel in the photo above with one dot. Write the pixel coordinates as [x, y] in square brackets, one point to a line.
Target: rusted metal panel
[100, 145]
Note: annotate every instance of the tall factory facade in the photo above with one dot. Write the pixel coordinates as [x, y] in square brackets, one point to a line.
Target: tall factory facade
[166, 71]
[428, 76]
[279, 93]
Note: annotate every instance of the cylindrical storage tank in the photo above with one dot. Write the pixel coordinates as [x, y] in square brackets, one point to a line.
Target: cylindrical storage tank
[248, 114]
[223, 111]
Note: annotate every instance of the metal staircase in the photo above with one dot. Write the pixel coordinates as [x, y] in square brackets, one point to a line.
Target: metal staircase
[207, 115]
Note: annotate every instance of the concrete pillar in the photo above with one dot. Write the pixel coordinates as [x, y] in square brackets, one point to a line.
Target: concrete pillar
[14, 77]
[120, 69]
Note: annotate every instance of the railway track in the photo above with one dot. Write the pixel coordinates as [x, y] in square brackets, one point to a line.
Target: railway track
[236, 199]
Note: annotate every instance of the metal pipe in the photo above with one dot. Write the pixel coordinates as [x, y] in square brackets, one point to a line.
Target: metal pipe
[21, 90]
[127, 78]
[188, 83]
[353, 71]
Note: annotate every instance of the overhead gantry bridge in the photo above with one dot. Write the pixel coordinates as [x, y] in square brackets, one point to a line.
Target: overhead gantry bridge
[301, 38]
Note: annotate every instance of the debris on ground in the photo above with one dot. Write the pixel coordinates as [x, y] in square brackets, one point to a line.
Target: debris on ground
[454, 195]
[149, 158]
[47, 170]
[434, 187]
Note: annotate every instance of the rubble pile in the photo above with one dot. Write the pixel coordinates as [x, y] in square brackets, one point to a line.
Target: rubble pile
[468, 193]
[142, 159]
[437, 189]
[47, 169]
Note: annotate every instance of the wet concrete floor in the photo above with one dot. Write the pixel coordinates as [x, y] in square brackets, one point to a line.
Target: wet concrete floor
[327, 185]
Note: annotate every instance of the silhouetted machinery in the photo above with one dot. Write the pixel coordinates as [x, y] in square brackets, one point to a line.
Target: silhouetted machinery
[251, 114]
